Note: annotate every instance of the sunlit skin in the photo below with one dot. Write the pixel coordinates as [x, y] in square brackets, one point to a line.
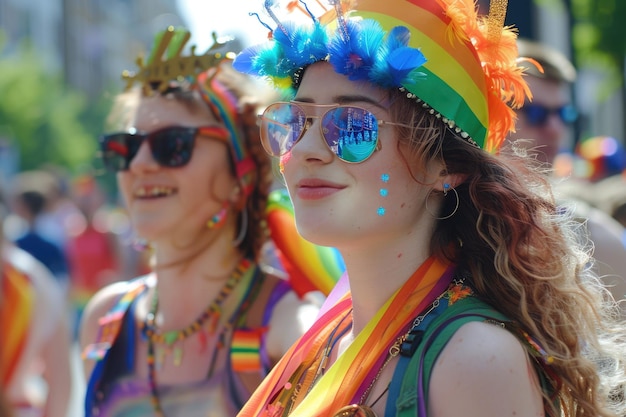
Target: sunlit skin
[170, 208]
[336, 203]
[175, 224]
[197, 189]
[547, 139]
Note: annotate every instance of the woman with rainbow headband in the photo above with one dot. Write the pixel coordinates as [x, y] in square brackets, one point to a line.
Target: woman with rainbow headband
[199, 332]
[467, 294]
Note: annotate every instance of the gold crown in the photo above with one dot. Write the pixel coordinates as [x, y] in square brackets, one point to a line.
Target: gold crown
[159, 71]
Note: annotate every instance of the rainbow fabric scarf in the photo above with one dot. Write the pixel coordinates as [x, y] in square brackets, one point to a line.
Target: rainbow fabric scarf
[17, 297]
[277, 397]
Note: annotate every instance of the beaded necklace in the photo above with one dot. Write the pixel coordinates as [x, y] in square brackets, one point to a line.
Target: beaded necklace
[170, 338]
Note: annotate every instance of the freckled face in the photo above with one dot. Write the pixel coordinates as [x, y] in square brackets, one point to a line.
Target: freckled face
[165, 203]
[340, 204]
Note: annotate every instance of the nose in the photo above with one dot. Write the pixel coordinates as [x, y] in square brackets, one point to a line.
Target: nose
[143, 160]
[548, 137]
[311, 146]
[554, 126]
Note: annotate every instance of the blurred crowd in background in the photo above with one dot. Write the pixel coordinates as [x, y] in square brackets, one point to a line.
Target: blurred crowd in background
[61, 209]
[68, 225]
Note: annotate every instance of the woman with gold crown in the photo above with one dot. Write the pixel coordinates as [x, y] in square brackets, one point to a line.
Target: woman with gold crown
[198, 333]
[467, 293]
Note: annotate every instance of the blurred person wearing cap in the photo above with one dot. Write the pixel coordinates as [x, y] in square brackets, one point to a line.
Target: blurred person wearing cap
[543, 127]
[544, 121]
[31, 201]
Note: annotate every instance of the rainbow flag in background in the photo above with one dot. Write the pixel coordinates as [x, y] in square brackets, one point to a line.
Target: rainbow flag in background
[310, 267]
[17, 298]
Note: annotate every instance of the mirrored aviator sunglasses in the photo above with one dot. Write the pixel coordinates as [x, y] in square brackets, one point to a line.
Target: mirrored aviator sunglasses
[170, 147]
[350, 132]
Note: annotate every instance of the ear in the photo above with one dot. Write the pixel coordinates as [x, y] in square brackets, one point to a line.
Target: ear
[237, 198]
[452, 180]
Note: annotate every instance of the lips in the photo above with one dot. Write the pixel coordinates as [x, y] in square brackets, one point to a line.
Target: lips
[314, 189]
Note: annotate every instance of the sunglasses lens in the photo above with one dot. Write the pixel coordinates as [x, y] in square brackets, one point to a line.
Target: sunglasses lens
[568, 114]
[281, 127]
[536, 115]
[172, 147]
[118, 150]
[351, 133]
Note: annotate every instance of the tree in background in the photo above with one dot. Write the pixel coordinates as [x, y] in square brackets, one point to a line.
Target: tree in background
[599, 40]
[599, 35]
[46, 121]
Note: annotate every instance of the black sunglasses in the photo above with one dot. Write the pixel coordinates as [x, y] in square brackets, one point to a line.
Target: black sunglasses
[171, 146]
[537, 115]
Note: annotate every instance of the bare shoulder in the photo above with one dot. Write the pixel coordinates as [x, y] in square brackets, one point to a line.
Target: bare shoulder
[291, 318]
[101, 302]
[96, 308]
[489, 372]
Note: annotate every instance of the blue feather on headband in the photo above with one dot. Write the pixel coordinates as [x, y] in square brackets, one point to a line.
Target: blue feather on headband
[355, 54]
[397, 61]
[364, 52]
[293, 48]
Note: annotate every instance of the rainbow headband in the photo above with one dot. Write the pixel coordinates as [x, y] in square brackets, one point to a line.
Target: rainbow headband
[459, 67]
[166, 65]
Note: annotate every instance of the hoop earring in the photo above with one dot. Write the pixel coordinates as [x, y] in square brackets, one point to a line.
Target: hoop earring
[244, 228]
[446, 189]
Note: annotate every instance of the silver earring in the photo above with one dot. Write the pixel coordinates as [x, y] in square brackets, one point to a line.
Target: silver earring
[446, 189]
[244, 228]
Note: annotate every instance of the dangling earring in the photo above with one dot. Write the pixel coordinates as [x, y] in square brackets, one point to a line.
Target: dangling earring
[446, 189]
[244, 228]
[219, 218]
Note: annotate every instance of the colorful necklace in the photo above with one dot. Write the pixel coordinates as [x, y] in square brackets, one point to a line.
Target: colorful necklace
[154, 336]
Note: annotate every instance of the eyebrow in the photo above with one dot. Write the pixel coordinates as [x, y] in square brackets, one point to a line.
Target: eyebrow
[347, 99]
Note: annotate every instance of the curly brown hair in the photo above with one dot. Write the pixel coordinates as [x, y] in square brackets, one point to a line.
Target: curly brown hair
[525, 258]
[251, 98]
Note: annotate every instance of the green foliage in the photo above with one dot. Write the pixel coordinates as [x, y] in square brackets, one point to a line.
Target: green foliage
[48, 122]
[599, 35]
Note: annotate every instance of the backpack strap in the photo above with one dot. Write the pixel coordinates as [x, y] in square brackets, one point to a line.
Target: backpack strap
[410, 382]
[409, 385]
[110, 326]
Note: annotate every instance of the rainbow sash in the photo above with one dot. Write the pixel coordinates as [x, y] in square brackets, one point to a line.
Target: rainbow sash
[17, 296]
[351, 374]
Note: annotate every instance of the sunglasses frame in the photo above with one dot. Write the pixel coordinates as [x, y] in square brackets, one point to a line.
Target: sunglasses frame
[547, 111]
[264, 121]
[215, 132]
